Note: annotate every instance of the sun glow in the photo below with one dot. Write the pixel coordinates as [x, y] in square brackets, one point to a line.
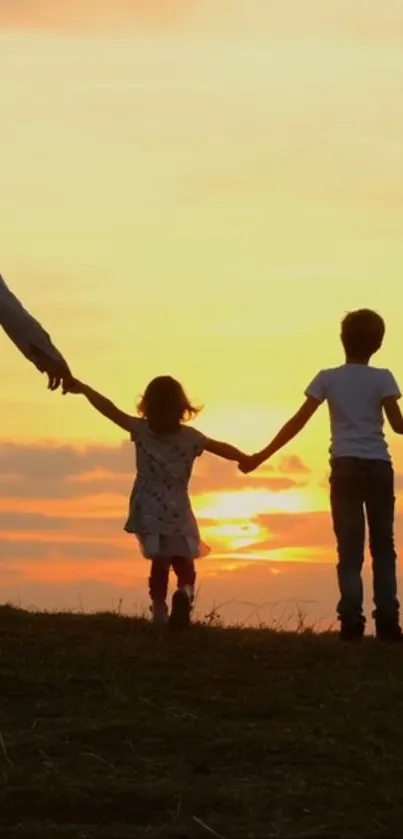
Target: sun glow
[249, 503]
[234, 534]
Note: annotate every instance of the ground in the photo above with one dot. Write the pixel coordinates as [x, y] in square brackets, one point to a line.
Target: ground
[109, 729]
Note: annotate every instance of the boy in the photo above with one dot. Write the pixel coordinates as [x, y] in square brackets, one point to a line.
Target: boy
[362, 478]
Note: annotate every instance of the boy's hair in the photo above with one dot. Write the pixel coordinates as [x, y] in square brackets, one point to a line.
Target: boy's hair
[362, 333]
[165, 405]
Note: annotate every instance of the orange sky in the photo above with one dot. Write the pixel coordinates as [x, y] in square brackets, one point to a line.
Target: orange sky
[199, 188]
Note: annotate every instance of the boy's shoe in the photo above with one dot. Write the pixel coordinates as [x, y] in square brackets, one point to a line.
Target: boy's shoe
[388, 631]
[181, 610]
[352, 631]
[159, 612]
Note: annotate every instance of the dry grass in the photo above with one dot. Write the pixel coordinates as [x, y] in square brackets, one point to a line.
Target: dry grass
[110, 730]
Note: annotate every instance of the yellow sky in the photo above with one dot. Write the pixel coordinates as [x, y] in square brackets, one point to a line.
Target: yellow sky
[197, 198]
[202, 189]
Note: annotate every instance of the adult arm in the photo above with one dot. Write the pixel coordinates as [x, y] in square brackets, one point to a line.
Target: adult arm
[31, 339]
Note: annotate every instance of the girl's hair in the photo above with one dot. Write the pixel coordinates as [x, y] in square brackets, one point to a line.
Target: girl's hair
[165, 406]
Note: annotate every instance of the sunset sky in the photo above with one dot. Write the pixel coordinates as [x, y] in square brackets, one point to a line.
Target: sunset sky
[199, 187]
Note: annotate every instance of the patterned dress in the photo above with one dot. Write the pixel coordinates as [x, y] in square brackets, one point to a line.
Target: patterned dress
[160, 512]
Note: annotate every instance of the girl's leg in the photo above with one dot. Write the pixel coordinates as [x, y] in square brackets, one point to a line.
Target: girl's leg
[182, 600]
[185, 573]
[158, 588]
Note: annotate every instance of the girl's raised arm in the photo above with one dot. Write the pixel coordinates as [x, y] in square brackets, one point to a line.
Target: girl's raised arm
[103, 405]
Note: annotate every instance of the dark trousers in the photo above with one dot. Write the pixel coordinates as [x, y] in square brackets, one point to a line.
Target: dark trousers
[185, 572]
[360, 489]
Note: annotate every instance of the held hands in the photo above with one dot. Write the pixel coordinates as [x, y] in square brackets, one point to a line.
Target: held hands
[249, 463]
[57, 370]
[73, 386]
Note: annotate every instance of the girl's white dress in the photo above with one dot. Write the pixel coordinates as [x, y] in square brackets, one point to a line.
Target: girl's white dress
[160, 511]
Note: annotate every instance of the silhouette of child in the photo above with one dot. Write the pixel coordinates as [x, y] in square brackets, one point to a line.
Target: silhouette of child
[362, 478]
[160, 512]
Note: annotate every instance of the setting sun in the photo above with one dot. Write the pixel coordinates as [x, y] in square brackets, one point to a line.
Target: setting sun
[251, 502]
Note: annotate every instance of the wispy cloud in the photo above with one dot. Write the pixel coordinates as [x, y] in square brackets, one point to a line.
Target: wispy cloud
[65, 540]
[61, 493]
[47, 471]
[68, 550]
[366, 21]
[91, 14]
[299, 530]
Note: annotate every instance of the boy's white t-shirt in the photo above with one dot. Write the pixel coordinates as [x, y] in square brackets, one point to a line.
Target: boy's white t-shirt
[355, 393]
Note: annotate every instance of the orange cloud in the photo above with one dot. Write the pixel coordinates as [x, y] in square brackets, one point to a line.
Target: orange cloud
[297, 530]
[56, 472]
[60, 502]
[91, 14]
[55, 551]
[365, 21]
[62, 510]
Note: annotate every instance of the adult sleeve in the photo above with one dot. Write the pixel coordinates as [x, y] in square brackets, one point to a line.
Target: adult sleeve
[317, 389]
[22, 328]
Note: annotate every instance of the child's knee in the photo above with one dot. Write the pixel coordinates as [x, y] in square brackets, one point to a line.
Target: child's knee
[158, 580]
[185, 572]
[190, 573]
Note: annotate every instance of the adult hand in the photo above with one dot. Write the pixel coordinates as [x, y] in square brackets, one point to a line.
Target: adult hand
[58, 373]
[56, 369]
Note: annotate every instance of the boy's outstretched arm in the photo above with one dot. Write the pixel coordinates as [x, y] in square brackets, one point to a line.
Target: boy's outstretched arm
[287, 433]
[103, 405]
[224, 450]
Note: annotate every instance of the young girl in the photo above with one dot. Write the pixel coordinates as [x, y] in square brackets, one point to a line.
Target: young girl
[160, 512]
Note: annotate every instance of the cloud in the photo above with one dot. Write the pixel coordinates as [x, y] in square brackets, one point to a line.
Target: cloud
[30, 521]
[312, 530]
[51, 471]
[63, 503]
[50, 460]
[91, 14]
[58, 497]
[363, 21]
[293, 465]
[54, 551]
[214, 475]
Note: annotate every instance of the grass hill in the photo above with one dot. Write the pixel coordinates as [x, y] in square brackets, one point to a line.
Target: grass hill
[109, 729]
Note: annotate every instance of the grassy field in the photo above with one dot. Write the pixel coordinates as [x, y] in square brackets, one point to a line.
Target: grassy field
[111, 730]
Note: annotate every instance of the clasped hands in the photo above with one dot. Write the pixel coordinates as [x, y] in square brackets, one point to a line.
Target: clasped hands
[249, 462]
[56, 368]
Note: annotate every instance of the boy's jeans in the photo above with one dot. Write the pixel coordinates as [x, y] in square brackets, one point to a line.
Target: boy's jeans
[359, 486]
